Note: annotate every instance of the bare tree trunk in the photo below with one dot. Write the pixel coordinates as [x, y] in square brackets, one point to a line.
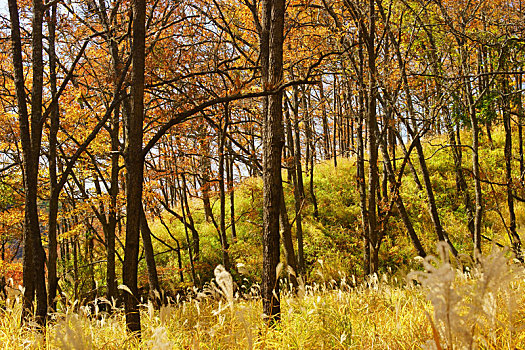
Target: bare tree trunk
[312, 192]
[326, 130]
[185, 213]
[90, 245]
[410, 164]
[514, 237]
[289, 251]
[461, 184]
[373, 131]
[412, 130]
[292, 144]
[135, 169]
[310, 140]
[519, 83]
[360, 164]
[205, 170]
[271, 47]
[111, 276]
[222, 194]
[30, 137]
[110, 231]
[231, 191]
[431, 200]
[307, 133]
[336, 110]
[188, 221]
[39, 255]
[478, 210]
[298, 196]
[52, 278]
[153, 279]
[74, 242]
[399, 202]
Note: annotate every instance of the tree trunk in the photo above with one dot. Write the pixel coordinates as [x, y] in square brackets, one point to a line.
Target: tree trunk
[478, 210]
[514, 237]
[153, 279]
[431, 200]
[309, 130]
[135, 169]
[30, 137]
[399, 202]
[185, 214]
[285, 224]
[519, 86]
[326, 130]
[298, 196]
[289, 251]
[231, 191]
[74, 241]
[360, 164]
[312, 192]
[413, 132]
[188, 220]
[222, 193]
[461, 184]
[111, 277]
[90, 245]
[52, 278]
[271, 47]
[205, 170]
[373, 131]
[477, 181]
[110, 231]
[410, 164]
[336, 110]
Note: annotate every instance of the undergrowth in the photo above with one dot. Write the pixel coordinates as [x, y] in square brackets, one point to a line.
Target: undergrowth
[438, 307]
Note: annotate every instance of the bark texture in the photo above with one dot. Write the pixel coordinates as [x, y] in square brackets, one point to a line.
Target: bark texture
[271, 53]
[135, 169]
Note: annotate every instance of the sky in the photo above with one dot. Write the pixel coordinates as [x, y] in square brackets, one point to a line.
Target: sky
[3, 7]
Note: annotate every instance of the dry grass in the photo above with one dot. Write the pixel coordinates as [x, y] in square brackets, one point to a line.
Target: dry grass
[449, 310]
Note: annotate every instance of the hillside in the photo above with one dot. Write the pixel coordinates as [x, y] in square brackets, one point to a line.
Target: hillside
[333, 242]
[336, 307]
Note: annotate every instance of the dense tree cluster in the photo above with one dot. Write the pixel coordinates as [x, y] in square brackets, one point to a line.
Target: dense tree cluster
[118, 113]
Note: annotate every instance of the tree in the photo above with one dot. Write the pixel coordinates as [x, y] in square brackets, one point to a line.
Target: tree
[135, 168]
[271, 57]
[31, 138]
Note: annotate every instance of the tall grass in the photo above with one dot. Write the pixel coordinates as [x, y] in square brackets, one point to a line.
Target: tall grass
[446, 309]
[480, 308]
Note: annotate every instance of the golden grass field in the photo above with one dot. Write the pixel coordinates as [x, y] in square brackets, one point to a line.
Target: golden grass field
[445, 309]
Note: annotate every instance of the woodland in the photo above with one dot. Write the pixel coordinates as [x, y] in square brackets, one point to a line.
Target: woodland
[266, 174]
